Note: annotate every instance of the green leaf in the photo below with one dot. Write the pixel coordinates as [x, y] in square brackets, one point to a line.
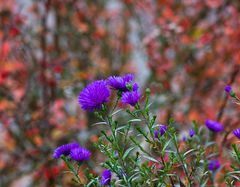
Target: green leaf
[204, 183]
[100, 123]
[209, 144]
[137, 144]
[127, 152]
[116, 112]
[134, 176]
[107, 137]
[151, 158]
[156, 125]
[212, 155]
[140, 130]
[170, 121]
[148, 106]
[188, 152]
[234, 172]
[121, 128]
[134, 120]
[91, 182]
[165, 146]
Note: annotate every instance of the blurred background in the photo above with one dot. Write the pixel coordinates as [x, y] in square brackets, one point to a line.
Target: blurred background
[184, 51]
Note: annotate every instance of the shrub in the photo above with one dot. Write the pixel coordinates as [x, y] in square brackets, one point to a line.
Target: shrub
[140, 152]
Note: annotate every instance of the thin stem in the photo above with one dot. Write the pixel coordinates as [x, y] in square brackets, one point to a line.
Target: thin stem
[126, 135]
[115, 105]
[78, 167]
[115, 142]
[71, 168]
[163, 162]
[233, 76]
[225, 138]
[182, 161]
[146, 120]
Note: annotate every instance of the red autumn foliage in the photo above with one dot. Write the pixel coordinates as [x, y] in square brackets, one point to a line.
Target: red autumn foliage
[185, 52]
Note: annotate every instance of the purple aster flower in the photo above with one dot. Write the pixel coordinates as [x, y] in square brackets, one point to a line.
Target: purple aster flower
[162, 129]
[94, 95]
[120, 83]
[106, 177]
[156, 132]
[214, 126]
[128, 77]
[191, 132]
[131, 97]
[80, 154]
[237, 133]
[213, 165]
[64, 150]
[228, 89]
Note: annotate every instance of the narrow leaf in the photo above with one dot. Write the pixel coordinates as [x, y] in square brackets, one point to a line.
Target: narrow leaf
[127, 152]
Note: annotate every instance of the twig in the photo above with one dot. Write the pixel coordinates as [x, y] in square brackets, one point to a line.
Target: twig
[233, 76]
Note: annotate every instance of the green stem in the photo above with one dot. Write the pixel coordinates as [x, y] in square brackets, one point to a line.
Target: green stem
[71, 168]
[126, 135]
[163, 162]
[115, 105]
[182, 161]
[115, 143]
[146, 120]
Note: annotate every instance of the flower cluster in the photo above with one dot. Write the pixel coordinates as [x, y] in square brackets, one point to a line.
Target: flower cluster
[157, 146]
[79, 154]
[74, 150]
[162, 129]
[64, 149]
[97, 93]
